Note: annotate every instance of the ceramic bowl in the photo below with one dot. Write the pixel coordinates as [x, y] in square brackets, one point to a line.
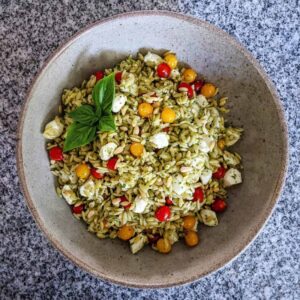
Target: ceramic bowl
[254, 105]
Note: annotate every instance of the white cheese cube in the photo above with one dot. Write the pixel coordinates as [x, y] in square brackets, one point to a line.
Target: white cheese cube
[87, 189]
[68, 194]
[53, 129]
[118, 102]
[140, 205]
[152, 59]
[160, 140]
[232, 177]
[206, 176]
[128, 84]
[137, 243]
[107, 151]
[206, 144]
[209, 217]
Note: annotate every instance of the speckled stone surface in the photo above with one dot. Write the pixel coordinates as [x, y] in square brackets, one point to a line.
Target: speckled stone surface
[30, 268]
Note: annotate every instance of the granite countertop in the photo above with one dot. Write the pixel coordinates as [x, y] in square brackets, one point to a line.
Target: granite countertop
[30, 267]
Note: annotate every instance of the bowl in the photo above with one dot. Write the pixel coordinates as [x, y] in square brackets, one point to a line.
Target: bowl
[254, 105]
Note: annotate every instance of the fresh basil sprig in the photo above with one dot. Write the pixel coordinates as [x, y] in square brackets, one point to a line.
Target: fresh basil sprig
[88, 119]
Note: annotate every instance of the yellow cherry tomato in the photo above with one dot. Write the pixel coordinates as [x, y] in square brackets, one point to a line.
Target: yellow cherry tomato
[83, 171]
[136, 149]
[171, 60]
[189, 75]
[208, 90]
[221, 144]
[191, 238]
[168, 115]
[145, 110]
[189, 222]
[163, 246]
[125, 233]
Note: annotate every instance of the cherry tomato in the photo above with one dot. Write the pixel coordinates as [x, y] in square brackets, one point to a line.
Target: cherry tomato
[111, 163]
[220, 173]
[189, 75]
[163, 246]
[99, 75]
[191, 238]
[169, 201]
[77, 209]
[171, 60]
[185, 87]
[198, 85]
[219, 205]
[83, 171]
[96, 174]
[198, 195]
[168, 115]
[145, 110]
[208, 90]
[166, 129]
[136, 149]
[163, 70]
[123, 199]
[118, 77]
[163, 213]
[56, 153]
[125, 233]
[189, 222]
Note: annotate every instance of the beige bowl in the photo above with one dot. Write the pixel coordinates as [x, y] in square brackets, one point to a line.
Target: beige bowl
[255, 105]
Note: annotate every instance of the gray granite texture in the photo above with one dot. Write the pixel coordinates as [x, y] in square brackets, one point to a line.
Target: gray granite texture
[30, 267]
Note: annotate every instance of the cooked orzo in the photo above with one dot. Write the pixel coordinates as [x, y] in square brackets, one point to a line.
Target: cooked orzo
[141, 152]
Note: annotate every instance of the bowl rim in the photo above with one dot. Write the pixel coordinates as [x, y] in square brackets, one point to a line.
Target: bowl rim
[254, 231]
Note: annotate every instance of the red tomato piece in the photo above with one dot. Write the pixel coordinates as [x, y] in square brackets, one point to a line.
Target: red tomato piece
[198, 195]
[220, 173]
[163, 70]
[111, 163]
[118, 77]
[99, 75]
[163, 213]
[96, 174]
[185, 87]
[77, 209]
[123, 199]
[219, 205]
[169, 201]
[198, 85]
[166, 129]
[56, 153]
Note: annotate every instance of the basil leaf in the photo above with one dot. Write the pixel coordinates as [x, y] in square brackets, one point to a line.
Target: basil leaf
[107, 123]
[104, 94]
[97, 95]
[84, 114]
[79, 135]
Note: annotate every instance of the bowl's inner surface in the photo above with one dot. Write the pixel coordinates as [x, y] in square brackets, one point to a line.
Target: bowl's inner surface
[253, 107]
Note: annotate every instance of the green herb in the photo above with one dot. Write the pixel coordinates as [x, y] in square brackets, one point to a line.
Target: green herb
[84, 114]
[88, 119]
[107, 123]
[79, 135]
